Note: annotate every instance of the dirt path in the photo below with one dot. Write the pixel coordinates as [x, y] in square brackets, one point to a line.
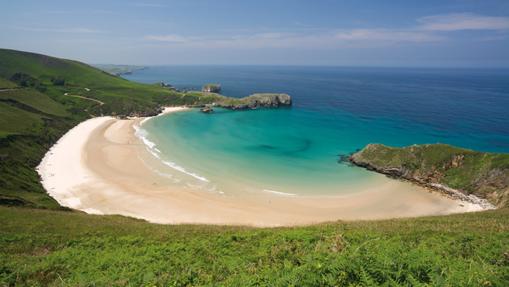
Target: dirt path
[6, 90]
[85, 98]
[66, 94]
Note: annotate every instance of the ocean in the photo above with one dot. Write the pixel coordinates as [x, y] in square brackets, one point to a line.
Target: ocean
[335, 111]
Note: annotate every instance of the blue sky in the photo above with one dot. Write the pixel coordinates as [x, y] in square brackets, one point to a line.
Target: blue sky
[455, 33]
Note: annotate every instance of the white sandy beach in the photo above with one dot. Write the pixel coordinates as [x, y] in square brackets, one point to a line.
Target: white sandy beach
[101, 167]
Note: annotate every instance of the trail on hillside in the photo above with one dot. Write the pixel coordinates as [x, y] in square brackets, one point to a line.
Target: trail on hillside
[7, 90]
[85, 98]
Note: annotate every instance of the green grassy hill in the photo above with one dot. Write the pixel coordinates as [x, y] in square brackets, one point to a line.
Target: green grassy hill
[6, 84]
[42, 97]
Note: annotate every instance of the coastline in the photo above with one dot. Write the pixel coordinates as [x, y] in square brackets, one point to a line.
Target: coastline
[102, 167]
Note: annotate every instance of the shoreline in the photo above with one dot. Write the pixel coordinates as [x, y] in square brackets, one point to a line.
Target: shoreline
[102, 167]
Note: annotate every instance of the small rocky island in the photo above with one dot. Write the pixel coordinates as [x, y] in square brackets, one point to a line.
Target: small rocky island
[457, 172]
[207, 109]
[265, 100]
[254, 101]
[251, 102]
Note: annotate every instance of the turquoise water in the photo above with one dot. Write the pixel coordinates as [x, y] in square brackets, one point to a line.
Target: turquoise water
[336, 111]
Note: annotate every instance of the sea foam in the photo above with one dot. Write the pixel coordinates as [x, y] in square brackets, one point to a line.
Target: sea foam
[151, 147]
[279, 192]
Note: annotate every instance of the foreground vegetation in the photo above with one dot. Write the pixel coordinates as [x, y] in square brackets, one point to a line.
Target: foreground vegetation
[55, 248]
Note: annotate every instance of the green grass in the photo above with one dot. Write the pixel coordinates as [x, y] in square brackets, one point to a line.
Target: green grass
[6, 84]
[74, 249]
[15, 121]
[36, 100]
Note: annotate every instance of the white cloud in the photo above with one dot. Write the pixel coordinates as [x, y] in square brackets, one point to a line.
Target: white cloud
[329, 39]
[430, 29]
[170, 38]
[463, 21]
[387, 35]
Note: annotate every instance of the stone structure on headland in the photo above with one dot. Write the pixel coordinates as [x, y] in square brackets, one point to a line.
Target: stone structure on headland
[211, 88]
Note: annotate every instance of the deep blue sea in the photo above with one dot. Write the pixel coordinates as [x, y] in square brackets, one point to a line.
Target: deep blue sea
[335, 111]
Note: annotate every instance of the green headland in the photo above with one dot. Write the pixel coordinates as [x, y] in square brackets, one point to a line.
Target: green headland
[455, 171]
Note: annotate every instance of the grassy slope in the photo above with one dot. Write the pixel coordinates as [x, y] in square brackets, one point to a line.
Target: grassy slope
[34, 116]
[483, 174]
[66, 248]
[6, 84]
[36, 100]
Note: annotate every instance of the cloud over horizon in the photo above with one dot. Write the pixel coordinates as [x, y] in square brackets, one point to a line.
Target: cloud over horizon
[282, 32]
[428, 29]
[463, 21]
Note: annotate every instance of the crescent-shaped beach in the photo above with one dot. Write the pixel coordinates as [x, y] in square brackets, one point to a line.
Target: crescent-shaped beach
[102, 167]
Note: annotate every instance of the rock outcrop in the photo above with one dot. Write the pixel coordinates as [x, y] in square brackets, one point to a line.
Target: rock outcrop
[478, 177]
[206, 110]
[211, 88]
[265, 100]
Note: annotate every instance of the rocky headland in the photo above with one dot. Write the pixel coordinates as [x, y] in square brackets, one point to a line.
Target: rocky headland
[265, 100]
[477, 177]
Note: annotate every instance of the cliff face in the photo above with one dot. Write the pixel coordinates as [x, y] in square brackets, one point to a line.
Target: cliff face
[455, 171]
[257, 101]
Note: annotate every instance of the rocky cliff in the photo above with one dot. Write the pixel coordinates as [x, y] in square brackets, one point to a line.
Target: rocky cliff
[455, 171]
[254, 101]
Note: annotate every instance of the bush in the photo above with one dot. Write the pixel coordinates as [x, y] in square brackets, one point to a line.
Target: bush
[24, 80]
[58, 81]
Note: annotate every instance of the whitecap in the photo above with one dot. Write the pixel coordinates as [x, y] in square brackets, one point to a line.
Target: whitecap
[279, 192]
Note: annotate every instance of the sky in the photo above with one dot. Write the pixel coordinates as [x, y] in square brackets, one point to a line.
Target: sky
[397, 33]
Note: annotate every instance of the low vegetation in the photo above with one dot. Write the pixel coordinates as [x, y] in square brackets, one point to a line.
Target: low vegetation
[52, 248]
